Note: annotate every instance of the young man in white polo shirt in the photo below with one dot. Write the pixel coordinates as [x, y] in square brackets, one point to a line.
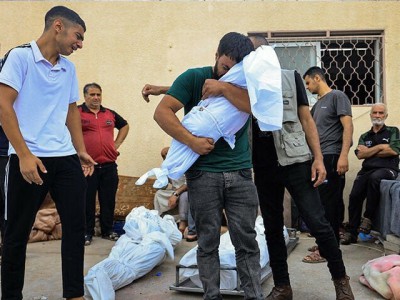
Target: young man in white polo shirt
[38, 94]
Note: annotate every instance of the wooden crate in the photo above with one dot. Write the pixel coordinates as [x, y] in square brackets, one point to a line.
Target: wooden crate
[130, 196]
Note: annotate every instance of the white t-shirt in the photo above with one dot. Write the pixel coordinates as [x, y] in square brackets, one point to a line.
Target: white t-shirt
[44, 94]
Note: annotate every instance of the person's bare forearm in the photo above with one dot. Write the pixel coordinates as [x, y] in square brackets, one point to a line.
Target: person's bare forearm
[347, 135]
[153, 90]
[387, 152]
[381, 150]
[29, 164]
[365, 152]
[11, 129]
[165, 117]
[311, 132]
[318, 172]
[75, 128]
[169, 122]
[181, 189]
[163, 89]
[238, 97]
[9, 121]
[122, 133]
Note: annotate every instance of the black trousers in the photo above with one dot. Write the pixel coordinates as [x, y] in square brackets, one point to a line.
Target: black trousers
[330, 193]
[104, 181]
[3, 163]
[66, 183]
[271, 182]
[366, 185]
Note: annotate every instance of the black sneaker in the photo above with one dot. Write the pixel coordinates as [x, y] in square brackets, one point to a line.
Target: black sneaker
[348, 239]
[88, 240]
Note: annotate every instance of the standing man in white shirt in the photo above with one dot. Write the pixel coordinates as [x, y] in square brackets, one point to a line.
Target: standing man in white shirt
[38, 111]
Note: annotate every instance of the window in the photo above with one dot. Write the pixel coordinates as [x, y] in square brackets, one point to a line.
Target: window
[353, 61]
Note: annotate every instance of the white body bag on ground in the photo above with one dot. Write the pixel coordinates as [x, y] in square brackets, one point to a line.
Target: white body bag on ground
[216, 117]
[228, 278]
[148, 239]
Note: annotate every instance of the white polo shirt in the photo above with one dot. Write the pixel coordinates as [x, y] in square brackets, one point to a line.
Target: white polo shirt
[44, 94]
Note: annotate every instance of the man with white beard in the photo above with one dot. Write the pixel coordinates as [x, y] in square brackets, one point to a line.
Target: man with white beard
[380, 148]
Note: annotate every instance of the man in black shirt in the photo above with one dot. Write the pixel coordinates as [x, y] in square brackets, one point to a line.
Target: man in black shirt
[283, 159]
[380, 148]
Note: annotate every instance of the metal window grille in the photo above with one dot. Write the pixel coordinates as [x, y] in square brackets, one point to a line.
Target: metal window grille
[353, 61]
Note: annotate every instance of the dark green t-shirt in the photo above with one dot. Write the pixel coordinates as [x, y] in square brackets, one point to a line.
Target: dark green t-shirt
[187, 89]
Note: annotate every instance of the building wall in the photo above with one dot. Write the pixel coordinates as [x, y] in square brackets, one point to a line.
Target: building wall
[131, 43]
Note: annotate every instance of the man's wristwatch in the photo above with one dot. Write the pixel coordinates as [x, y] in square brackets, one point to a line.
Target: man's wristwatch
[175, 194]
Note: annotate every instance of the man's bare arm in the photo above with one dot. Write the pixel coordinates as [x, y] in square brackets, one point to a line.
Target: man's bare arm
[75, 128]
[28, 162]
[343, 161]
[153, 90]
[310, 129]
[237, 96]
[9, 120]
[386, 152]
[122, 133]
[165, 116]
[381, 150]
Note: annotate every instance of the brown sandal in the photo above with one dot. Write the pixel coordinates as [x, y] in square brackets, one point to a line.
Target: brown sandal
[313, 248]
[314, 258]
[365, 226]
[191, 238]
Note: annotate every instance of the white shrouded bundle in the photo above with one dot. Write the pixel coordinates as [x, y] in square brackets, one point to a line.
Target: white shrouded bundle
[216, 117]
[148, 239]
[228, 278]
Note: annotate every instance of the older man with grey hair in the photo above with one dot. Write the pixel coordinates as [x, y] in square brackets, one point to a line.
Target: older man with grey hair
[379, 148]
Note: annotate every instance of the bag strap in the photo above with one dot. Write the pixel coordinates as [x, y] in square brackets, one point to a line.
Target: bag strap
[4, 58]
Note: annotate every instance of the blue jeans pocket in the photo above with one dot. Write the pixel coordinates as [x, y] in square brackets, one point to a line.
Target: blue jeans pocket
[193, 174]
[246, 173]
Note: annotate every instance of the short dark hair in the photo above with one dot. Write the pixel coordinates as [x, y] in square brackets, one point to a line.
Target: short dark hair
[91, 85]
[258, 40]
[235, 46]
[315, 71]
[64, 13]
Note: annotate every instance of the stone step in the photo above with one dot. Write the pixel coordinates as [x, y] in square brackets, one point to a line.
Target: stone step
[393, 239]
[391, 246]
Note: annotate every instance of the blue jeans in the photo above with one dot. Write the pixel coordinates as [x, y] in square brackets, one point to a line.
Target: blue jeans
[209, 194]
[191, 224]
[271, 183]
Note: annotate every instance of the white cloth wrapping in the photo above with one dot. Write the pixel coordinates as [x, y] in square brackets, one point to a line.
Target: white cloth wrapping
[228, 278]
[216, 117]
[145, 244]
[264, 85]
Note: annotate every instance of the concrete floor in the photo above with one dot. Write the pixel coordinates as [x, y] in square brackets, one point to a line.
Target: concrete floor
[309, 281]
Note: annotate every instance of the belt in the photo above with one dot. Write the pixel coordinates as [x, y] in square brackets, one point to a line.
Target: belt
[104, 165]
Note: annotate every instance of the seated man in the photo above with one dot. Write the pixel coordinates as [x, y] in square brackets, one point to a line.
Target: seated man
[166, 200]
[380, 148]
